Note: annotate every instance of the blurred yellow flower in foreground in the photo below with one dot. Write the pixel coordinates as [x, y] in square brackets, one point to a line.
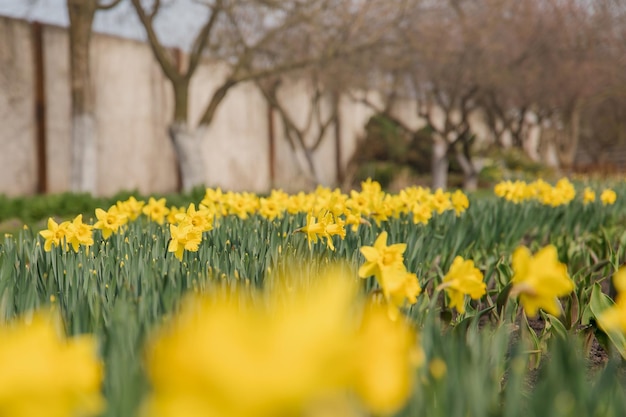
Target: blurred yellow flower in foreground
[608, 197]
[614, 317]
[386, 355]
[589, 196]
[43, 374]
[302, 344]
[463, 278]
[539, 280]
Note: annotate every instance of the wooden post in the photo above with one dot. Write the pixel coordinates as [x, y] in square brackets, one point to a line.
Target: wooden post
[338, 154]
[40, 108]
[178, 59]
[272, 145]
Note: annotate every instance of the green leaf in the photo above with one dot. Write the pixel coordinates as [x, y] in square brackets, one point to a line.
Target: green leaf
[598, 303]
[554, 325]
[503, 297]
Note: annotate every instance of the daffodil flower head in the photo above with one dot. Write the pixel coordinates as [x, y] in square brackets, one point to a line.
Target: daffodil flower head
[608, 197]
[313, 229]
[184, 236]
[131, 207]
[387, 362]
[155, 210]
[460, 202]
[539, 280]
[398, 286]
[589, 196]
[55, 235]
[614, 317]
[440, 201]
[80, 233]
[109, 221]
[381, 256]
[234, 357]
[422, 213]
[46, 374]
[462, 279]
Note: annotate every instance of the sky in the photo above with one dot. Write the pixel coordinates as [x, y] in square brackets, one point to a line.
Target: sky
[176, 23]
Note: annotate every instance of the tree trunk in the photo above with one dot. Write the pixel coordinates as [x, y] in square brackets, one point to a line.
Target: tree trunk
[470, 172]
[304, 156]
[83, 136]
[567, 140]
[440, 163]
[188, 148]
[464, 157]
[84, 172]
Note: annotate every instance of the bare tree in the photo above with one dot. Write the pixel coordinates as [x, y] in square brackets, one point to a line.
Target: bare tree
[444, 50]
[510, 60]
[304, 137]
[256, 39]
[84, 140]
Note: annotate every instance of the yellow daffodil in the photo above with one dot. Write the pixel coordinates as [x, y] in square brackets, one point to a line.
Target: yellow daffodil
[608, 197]
[386, 263]
[56, 234]
[334, 226]
[270, 209]
[459, 201]
[614, 318]
[354, 220]
[155, 210]
[184, 237]
[131, 207]
[313, 229]
[299, 203]
[174, 212]
[421, 213]
[236, 358]
[201, 219]
[80, 233]
[562, 193]
[45, 374]
[381, 256]
[589, 196]
[398, 286]
[539, 280]
[241, 204]
[358, 203]
[325, 226]
[462, 279]
[440, 201]
[385, 372]
[109, 221]
[213, 201]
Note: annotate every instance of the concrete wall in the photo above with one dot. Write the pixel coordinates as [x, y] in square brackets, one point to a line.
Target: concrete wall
[18, 168]
[236, 146]
[133, 106]
[58, 108]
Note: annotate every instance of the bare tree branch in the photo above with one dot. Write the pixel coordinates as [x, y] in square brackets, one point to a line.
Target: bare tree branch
[169, 68]
[202, 38]
[104, 6]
